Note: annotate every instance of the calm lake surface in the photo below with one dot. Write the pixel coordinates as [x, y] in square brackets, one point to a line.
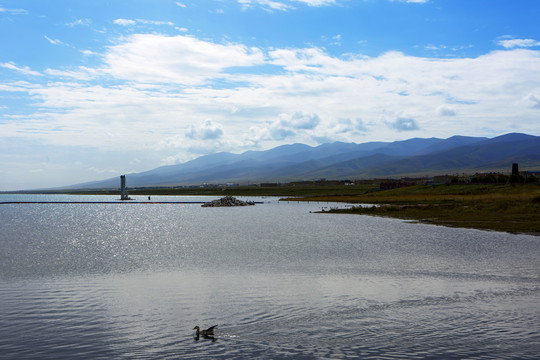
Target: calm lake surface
[130, 281]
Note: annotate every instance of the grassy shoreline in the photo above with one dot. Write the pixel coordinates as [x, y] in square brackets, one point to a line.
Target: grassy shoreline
[507, 208]
[513, 208]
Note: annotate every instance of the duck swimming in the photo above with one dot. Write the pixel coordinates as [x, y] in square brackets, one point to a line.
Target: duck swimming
[204, 333]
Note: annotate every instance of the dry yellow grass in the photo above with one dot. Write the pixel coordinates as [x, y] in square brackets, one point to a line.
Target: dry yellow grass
[510, 208]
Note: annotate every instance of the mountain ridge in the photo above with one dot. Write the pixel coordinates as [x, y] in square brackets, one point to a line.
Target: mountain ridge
[338, 160]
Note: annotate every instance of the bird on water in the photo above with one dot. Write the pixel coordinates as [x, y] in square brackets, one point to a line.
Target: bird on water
[208, 333]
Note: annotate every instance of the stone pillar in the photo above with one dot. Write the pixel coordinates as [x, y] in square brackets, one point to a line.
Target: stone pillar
[515, 169]
[123, 194]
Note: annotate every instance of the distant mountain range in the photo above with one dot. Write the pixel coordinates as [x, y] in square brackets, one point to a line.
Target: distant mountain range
[413, 157]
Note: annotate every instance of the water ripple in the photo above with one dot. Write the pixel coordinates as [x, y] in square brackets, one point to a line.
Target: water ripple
[117, 282]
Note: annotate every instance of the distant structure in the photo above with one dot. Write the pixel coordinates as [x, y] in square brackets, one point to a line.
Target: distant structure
[123, 192]
[515, 169]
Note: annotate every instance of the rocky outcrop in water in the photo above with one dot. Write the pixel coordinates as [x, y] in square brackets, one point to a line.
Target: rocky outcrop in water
[227, 201]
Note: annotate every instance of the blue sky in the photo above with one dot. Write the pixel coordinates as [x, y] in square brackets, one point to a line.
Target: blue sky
[91, 90]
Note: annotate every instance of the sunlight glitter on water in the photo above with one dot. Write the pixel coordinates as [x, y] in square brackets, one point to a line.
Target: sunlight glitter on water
[110, 281]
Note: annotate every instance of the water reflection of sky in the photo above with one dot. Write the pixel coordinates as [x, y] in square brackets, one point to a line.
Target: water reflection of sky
[120, 281]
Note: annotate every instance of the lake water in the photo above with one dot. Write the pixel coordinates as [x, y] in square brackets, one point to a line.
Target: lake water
[130, 281]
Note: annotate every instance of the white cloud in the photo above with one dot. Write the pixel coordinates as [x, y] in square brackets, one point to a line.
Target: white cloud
[265, 4]
[278, 133]
[79, 74]
[446, 111]
[88, 52]
[175, 159]
[317, 2]
[181, 4]
[513, 43]
[124, 22]
[175, 59]
[22, 69]
[80, 22]
[283, 5]
[13, 11]
[131, 22]
[154, 22]
[100, 171]
[534, 101]
[208, 130]
[286, 5]
[155, 89]
[404, 124]
[346, 125]
[299, 121]
[53, 41]
[283, 127]
[436, 48]
[334, 40]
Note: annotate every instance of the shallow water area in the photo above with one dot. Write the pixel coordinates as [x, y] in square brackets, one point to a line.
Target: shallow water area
[131, 281]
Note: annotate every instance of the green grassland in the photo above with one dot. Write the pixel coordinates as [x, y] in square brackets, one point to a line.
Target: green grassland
[511, 207]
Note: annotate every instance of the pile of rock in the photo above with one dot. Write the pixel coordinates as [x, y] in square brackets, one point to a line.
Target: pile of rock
[227, 201]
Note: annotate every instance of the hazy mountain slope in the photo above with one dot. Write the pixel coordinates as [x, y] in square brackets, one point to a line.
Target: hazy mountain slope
[350, 169]
[495, 154]
[344, 161]
[510, 137]
[406, 147]
[450, 143]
